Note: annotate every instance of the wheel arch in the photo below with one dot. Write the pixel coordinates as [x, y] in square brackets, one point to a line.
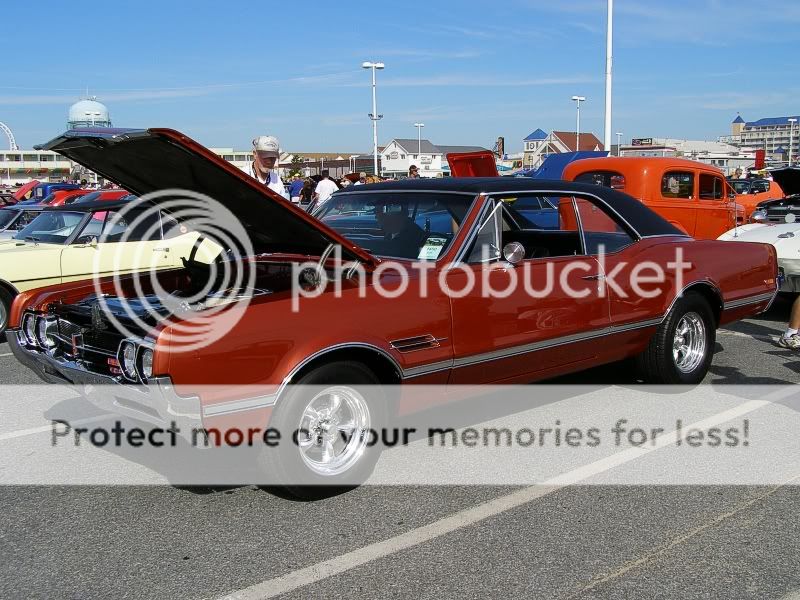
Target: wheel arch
[378, 361]
[5, 285]
[709, 292]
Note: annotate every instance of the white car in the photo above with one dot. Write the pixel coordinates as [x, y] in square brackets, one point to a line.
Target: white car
[777, 222]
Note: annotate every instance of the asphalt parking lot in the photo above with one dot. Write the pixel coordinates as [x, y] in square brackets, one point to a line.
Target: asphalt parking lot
[577, 541]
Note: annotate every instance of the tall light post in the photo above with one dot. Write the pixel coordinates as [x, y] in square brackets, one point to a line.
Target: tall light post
[792, 121]
[619, 143]
[374, 116]
[609, 64]
[578, 100]
[419, 127]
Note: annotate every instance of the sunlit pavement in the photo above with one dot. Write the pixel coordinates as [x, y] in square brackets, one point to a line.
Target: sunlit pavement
[577, 541]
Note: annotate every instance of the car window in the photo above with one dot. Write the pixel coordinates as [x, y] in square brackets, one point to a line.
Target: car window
[131, 226]
[416, 225]
[760, 186]
[711, 187]
[81, 198]
[740, 186]
[677, 184]
[602, 232]
[609, 179]
[51, 227]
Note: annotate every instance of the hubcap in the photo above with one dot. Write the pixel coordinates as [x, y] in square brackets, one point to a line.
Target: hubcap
[334, 430]
[689, 345]
[3, 315]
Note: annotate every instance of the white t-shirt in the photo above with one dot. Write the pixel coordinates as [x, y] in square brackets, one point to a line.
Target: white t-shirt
[274, 183]
[325, 189]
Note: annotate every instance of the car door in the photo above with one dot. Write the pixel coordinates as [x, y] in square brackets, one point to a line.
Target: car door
[115, 242]
[524, 319]
[716, 212]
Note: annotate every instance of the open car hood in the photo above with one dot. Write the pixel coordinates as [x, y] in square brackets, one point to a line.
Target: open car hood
[788, 178]
[143, 161]
[472, 164]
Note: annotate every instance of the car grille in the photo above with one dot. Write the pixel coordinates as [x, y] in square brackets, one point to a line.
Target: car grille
[778, 214]
[96, 350]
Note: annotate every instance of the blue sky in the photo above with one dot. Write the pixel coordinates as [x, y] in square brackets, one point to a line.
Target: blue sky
[471, 71]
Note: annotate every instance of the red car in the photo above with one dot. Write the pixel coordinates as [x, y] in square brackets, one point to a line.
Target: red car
[363, 328]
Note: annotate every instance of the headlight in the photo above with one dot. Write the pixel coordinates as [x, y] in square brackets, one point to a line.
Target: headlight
[45, 328]
[127, 359]
[758, 215]
[146, 370]
[29, 328]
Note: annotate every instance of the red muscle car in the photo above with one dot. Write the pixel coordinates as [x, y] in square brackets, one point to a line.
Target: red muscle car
[501, 229]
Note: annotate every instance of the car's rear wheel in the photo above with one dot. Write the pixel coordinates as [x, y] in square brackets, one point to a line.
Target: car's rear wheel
[682, 349]
[327, 420]
[5, 310]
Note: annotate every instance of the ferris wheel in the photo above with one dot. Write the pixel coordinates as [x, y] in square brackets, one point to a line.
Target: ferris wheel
[12, 143]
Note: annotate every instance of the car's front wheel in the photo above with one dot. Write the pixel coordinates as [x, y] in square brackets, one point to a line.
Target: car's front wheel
[328, 421]
[681, 350]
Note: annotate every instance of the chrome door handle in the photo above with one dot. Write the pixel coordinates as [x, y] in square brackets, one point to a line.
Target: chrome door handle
[594, 277]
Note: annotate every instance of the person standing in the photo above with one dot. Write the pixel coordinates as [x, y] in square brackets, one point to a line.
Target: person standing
[266, 151]
[295, 188]
[791, 338]
[325, 188]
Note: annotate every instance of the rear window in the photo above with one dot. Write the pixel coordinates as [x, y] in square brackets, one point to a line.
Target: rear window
[609, 179]
[677, 184]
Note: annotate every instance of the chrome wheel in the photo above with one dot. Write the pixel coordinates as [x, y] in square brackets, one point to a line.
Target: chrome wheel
[3, 315]
[334, 431]
[689, 343]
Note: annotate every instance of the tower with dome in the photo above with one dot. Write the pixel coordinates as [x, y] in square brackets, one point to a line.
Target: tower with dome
[88, 113]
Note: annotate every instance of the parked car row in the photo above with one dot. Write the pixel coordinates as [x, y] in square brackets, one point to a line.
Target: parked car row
[351, 335]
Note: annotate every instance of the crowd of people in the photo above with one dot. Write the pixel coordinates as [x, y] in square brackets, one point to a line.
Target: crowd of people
[307, 192]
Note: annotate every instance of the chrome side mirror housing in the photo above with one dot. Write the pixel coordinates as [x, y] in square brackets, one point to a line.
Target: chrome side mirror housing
[513, 253]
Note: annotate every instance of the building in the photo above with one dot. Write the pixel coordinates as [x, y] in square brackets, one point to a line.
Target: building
[539, 144]
[777, 136]
[311, 163]
[20, 166]
[723, 155]
[88, 113]
[400, 154]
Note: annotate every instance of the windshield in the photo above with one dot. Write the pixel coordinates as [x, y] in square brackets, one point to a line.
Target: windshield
[51, 227]
[740, 186]
[609, 179]
[397, 225]
[6, 217]
[81, 198]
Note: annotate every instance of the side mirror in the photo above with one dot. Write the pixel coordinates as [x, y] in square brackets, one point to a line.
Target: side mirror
[513, 252]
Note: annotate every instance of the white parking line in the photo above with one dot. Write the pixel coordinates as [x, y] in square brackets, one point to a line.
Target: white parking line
[350, 560]
[47, 428]
[7, 354]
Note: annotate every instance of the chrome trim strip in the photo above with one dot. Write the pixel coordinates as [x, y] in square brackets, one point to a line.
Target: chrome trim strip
[686, 288]
[552, 343]
[749, 300]
[437, 367]
[473, 230]
[226, 408]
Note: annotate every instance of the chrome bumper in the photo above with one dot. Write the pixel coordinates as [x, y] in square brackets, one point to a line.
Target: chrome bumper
[156, 402]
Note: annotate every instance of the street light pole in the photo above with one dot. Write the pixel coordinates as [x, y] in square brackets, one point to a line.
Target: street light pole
[578, 100]
[419, 127]
[792, 121]
[619, 142]
[609, 64]
[374, 116]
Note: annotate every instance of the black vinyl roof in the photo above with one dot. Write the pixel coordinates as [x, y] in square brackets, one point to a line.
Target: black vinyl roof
[640, 217]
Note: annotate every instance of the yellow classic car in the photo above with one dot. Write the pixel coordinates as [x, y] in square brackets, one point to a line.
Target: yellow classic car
[84, 241]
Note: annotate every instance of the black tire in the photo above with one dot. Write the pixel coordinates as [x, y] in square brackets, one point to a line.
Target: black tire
[285, 463]
[658, 364]
[5, 310]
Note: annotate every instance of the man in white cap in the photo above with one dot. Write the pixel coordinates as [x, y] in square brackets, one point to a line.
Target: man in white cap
[266, 152]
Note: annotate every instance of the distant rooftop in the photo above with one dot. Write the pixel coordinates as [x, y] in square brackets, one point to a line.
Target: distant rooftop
[536, 136]
[738, 119]
[770, 121]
